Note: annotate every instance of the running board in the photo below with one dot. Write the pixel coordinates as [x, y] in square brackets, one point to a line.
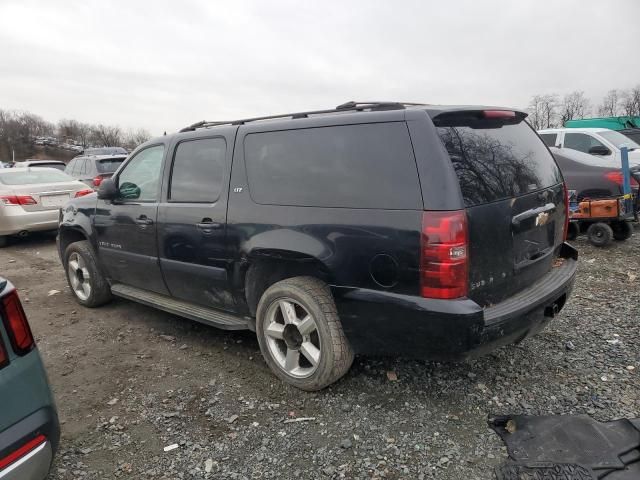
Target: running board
[205, 315]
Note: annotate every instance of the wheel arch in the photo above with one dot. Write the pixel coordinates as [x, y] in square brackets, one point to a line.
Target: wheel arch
[264, 267]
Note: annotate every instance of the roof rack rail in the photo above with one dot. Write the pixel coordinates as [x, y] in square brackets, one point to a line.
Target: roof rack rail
[348, 106]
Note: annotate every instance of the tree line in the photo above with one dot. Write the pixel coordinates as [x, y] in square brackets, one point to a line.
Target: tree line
[550, 110]
[19, 129]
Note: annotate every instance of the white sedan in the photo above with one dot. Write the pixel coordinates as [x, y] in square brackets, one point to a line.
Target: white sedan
[31, 197]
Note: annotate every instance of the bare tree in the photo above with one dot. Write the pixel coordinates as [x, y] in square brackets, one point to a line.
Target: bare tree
[630, 102]
[610, 104]
[107, 135]
[133, 138]
[574, 105]
[543, 111]
[84, 133]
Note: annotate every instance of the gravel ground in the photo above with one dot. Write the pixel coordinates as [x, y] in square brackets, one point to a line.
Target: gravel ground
[130, 381]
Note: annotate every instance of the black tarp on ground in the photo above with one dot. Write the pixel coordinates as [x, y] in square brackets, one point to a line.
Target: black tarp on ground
[568, 447]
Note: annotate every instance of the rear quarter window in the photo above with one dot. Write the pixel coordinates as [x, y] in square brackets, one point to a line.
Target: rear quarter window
[353, 166]
[497, 163]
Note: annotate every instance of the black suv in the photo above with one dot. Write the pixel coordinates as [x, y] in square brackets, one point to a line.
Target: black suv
[377, 228]
[93, 169]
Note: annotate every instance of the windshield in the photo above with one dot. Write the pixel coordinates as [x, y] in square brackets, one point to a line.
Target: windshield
[32, 177]
[109, 165]
[56, 165]
[618, 139]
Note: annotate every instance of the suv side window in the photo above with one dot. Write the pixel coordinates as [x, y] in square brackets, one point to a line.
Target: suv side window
[580, 141]
[83, 166]
[198, 170]
[549, 139]
[354, 166]
[140, 178]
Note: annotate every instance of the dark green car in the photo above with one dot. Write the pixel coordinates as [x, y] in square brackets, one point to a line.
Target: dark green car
[29, 428]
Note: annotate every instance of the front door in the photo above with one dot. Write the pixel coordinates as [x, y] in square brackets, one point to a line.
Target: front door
[192, 221]
[126, 227]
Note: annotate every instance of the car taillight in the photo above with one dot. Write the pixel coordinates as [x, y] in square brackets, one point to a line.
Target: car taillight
[97, 181]
[566, 212]
[444, 263]
[617, 177]
[17, 325]
[82, 193]
[4, 358]
[17, 200]
[22, 451]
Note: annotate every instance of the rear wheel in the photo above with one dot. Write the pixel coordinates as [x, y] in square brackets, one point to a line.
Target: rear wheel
[600, 234]
[88, 284]
[622, 231]
[300, 334]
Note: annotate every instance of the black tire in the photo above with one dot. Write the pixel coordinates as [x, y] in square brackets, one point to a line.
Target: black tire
[335, 353]
[600, 234]
[100, 292]
[4, 241]
[622, 231]
[573, 231]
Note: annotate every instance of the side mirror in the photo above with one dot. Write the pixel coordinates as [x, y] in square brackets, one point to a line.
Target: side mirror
[107, 190]
[599, 150]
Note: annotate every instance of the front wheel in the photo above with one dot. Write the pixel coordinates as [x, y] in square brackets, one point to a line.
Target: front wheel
[300, 334]
[89, 286]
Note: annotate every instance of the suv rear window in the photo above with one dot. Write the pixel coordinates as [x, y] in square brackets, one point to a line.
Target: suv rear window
[498, 162]
[109, 165]
[355, 166]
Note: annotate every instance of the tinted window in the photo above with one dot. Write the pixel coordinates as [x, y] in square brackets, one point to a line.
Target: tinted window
[581, 142]
[497, 163]
[140, 179]
[358, 166]
[198, 170]
[549, 138]
[109, 165]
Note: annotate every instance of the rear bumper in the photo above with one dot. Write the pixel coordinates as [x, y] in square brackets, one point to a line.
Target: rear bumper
[378, 322]
[34, 465]
[15, 219]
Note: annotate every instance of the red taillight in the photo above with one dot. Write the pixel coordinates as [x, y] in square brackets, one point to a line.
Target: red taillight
[17, 325]
[566, 211]
[22, 451]
[17, 200]
[444, 263]
[4, 358]
[498, 114]
[617, 177]
[97, 181]
[82, 193]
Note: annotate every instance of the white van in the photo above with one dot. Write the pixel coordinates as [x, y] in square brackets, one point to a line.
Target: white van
[601, 142]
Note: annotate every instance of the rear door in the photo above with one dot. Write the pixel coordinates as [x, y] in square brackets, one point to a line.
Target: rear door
[192, 220]
[513, 194]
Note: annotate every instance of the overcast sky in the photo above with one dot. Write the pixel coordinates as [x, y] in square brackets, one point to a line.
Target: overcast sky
[162, 65]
